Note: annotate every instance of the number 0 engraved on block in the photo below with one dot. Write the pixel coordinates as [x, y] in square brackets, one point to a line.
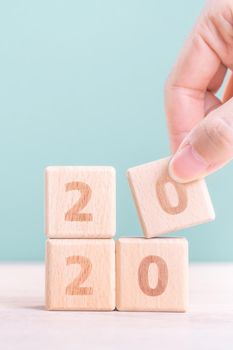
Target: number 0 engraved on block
[163, 197]
[143, 274]
[74, 214]
[74, 287]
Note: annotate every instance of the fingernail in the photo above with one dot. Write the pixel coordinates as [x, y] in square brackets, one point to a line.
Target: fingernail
[187, 165]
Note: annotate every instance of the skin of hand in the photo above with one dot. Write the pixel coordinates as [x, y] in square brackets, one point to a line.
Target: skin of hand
[201, 125]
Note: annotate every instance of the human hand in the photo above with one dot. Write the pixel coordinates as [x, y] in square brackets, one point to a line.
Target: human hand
[200, 125]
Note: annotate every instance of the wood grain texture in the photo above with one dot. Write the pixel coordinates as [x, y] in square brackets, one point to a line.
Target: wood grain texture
[152, 275]
[80, 202]
[164, 205]
[80, 274]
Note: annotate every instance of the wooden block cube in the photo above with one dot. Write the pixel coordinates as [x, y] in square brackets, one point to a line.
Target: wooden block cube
[152, 275]
[80, 274]
[80, 202]
[164, 205]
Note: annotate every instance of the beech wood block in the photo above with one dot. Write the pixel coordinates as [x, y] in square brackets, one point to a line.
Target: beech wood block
[80, 274]
[164, 205]
[152, 275]
[80, 202]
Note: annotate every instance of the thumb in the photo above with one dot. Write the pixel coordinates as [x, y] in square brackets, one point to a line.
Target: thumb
[206, 148]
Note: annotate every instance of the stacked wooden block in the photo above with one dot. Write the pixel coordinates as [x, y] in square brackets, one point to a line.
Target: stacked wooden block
[80, 224]
[149, 274]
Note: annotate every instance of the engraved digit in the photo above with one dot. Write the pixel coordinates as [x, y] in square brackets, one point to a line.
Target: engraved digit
[163, 198]
[74, 287]
[143, 272]
[74, 214]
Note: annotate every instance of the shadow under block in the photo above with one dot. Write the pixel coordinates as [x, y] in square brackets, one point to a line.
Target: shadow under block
[164, 205]
[80, 202]
[152, 275]
[80, 274]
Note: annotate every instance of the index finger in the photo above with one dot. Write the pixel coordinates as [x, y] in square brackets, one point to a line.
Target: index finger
[197, 68]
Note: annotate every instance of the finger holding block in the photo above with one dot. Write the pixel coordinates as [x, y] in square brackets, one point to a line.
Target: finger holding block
[152, 275]
[80, 274]
[80, 202]
[164, 205]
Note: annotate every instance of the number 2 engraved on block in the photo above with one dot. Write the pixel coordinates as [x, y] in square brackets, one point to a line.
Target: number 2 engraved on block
[74, 214]
[74, 287]
[143, 274]
[163, 198]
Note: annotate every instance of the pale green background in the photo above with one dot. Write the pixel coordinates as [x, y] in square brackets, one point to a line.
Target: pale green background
[81, 82]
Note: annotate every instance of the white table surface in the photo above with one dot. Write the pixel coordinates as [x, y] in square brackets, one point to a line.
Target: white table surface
[24, 324]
